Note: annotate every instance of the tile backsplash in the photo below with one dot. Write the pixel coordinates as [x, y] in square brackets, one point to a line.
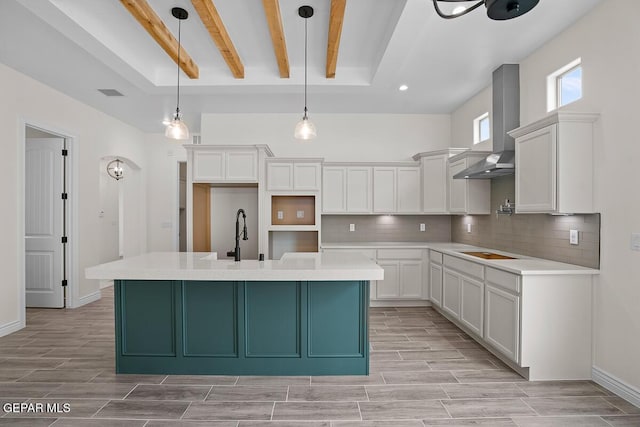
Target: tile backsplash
[537, 235]
[385, 228]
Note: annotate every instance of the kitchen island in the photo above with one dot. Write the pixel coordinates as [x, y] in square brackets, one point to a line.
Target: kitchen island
[187, 313]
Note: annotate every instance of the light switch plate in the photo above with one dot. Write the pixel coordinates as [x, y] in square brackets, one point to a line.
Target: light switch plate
[573, 237]
[635, 241]
[280, 215]
[352, 227]
[423, 227]
[299, 214]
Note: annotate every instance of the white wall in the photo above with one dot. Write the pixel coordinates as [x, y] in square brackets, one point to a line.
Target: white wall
[462, 121]
[341, 137]
[108, 214]
[607, 41]
[95, 135]
[225, 202]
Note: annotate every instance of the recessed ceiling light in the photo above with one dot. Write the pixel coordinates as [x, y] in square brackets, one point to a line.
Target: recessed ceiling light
[403, 88]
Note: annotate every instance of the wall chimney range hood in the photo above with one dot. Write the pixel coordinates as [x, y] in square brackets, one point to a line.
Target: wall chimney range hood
[506, 117]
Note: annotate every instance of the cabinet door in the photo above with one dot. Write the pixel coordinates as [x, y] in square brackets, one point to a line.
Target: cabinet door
[536, 171]
[208, 166]
[451, 293]
[434, 184]
[408, 190]
[384, 190]
[457, 188]
[242, 166]
[411, 279]
[472, 303]
[359, 189]
[435, 284]
[389, 287]
[502, 321]
[334, 186]
[306, 176]
[279, 176]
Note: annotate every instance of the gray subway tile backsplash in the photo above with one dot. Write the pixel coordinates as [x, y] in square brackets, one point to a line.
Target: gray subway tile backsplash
[385, 228]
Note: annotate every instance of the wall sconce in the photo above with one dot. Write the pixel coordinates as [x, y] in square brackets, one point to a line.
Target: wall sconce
[115, 170]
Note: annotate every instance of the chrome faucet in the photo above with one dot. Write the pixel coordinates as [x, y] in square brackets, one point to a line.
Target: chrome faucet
[236, 252]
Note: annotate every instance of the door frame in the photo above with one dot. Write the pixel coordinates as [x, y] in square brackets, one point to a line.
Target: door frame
[72, 212]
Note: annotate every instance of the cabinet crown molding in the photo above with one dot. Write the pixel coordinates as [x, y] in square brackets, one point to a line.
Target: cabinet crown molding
[553, 118]
[227, 147]
[446, 151]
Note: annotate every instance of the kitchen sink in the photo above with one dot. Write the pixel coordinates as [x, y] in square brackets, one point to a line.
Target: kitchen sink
[488, 255]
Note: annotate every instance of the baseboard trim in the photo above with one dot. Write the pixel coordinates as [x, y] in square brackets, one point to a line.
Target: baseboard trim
[400, 303]
[11, 327]
[616, 385]
[87, 299]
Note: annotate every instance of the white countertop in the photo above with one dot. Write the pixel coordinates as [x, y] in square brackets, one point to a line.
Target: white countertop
[523, 265]
[196, 266]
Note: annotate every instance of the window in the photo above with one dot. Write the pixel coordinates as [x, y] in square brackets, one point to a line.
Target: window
[565, 85]
[481, 128]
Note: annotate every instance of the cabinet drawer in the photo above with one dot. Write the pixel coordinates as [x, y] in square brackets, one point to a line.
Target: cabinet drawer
[399, 253]
[435, 256]
[508, 281]
[467, 267]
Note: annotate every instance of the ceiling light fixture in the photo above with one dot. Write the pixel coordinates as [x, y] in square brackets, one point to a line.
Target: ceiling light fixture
[114, 169]
[305, 130]
[177, 129]
[499, 10]
[402, 88]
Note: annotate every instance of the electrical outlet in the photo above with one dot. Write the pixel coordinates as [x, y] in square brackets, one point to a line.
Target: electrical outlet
[280, 215]
[573, 237]
[468, 228]
[635, 241]
[423, 227]
[299, 214]
[352, 227]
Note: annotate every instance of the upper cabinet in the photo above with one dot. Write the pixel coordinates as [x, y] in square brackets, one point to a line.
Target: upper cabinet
[554, 164]
[218, 163]
[370, 188]
[468, 196]
[293, 174]
[435, 166]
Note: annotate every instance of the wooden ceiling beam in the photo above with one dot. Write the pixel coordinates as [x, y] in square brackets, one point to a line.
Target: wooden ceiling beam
[336, 18]
[151, 22]
[213, 23]
[274, 19]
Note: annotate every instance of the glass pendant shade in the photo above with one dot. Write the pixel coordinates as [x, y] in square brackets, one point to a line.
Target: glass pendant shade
[305, 129]
[177, 129]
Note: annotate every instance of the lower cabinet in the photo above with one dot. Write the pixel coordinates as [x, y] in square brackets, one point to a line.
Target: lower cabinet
[435, 284]
[502, 321]
[451, 292]
[402, 280]
[472, 304]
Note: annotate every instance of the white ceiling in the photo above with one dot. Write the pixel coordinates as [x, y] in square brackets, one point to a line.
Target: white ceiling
[79, 46]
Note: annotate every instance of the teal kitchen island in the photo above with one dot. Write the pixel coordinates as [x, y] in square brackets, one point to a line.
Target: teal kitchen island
[186, 313]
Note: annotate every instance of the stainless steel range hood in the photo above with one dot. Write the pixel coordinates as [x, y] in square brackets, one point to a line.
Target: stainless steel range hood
[506, 117]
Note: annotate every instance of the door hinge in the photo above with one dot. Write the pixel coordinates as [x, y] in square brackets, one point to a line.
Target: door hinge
[64, 283]
[65, 152]
[64, 196]
[64, 239]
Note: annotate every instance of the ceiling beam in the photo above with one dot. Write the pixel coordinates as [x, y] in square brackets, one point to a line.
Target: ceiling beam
[213, 22]
[274, 19]
[336, 17]
[151, 22]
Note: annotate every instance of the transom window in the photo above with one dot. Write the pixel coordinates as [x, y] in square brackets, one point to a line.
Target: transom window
[481, 128]
[565, 85]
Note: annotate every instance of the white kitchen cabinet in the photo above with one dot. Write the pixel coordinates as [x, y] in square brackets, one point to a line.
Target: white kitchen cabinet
[224, 165]
[554, 164]
[463, 292]
[502, 320]
[408, 189]
[389, 287]
[384, 189]
[468, 196]
[334, 189]
[435, 278]
[359, 194]
[472, 304]
[403, 274]
[293, 175]
[435, 166]
[369, 253]
[451, 292]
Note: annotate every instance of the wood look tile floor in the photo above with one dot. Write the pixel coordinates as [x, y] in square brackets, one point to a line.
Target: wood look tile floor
[424, 372]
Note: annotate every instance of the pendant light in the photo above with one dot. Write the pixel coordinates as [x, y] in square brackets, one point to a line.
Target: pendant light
[177, 129]
[305, 129]
[500, 10]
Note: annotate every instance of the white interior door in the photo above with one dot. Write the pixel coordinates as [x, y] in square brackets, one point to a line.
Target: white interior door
[44, 222]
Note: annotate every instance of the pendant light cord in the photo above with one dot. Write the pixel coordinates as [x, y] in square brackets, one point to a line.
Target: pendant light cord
[179, 49]
[305, 67]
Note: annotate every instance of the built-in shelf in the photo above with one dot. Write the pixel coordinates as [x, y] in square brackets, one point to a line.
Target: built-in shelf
[293, 228]
[293, 210]
[283, 241]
